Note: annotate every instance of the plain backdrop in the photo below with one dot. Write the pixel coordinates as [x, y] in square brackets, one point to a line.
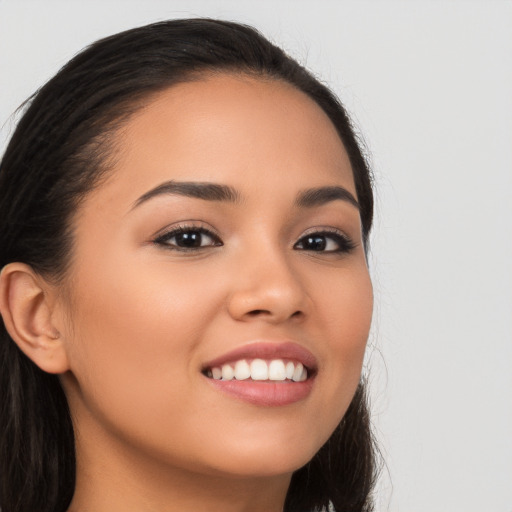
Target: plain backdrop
[429, 84]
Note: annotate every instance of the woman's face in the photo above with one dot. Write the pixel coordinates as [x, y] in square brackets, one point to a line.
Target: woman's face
[225, 233]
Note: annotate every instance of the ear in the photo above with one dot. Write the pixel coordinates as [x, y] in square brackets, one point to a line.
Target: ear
[26, 308]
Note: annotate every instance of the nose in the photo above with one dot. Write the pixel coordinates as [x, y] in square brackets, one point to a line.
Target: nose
[266, 287]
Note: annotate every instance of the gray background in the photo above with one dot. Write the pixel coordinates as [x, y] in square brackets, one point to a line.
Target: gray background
[429, 83]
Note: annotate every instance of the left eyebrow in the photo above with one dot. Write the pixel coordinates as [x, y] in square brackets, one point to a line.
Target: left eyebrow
[319, 196]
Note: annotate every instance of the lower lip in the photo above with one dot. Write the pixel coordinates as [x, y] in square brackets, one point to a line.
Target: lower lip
[265, 393]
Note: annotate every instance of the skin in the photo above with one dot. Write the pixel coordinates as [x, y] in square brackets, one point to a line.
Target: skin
[136, 320]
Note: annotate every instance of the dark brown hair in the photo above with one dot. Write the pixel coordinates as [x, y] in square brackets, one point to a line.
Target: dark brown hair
[57, 154]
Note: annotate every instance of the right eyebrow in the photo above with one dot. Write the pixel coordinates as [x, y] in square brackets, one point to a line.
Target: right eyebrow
[196, 189]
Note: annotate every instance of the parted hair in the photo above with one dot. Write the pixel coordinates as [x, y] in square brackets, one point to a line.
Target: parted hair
[58, 153]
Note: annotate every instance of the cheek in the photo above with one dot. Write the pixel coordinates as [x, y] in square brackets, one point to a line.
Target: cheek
[351, 315]
[346, 311]
[135, 337]
[344, 303]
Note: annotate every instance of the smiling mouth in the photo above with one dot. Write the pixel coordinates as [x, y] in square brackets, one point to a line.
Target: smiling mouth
[264, 373]
[260, 370]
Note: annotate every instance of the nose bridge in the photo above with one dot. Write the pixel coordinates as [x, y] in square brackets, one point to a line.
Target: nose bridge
[267, 284]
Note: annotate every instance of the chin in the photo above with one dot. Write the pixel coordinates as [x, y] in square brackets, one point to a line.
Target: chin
[260, 461]
[258, 468]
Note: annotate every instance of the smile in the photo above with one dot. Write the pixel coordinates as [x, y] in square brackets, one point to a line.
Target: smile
[265, 374]
[260, 370]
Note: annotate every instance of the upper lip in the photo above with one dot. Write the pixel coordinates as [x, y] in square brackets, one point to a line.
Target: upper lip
[266, 350]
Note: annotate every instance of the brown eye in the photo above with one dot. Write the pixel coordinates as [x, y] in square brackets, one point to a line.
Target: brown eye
[184, 238]
[325, 242]
[190, 239]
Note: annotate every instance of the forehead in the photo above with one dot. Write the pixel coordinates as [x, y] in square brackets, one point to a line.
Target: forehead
[235, 129]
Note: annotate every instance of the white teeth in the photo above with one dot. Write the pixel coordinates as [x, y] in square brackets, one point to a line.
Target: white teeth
[259, 370]
[227, 372]
[290, 367]
[297, 373]
[242, 370]
[276, 370]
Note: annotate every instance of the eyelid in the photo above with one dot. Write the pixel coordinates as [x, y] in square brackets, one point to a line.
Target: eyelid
[190, 224]
[324, 229]
[321, 230]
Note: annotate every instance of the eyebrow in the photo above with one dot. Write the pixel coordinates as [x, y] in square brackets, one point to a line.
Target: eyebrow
[196, 189]
[308, 198]
[319, 196]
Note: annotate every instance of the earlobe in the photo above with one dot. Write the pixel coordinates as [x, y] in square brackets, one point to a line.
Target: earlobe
[27, 314]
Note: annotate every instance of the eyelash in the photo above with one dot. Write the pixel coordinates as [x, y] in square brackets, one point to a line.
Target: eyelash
[343, 242]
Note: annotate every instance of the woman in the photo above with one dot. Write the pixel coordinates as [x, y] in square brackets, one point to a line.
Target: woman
[184, 291]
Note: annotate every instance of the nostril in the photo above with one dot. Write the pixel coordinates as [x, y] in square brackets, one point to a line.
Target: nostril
[256, 312]
[266, 312]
